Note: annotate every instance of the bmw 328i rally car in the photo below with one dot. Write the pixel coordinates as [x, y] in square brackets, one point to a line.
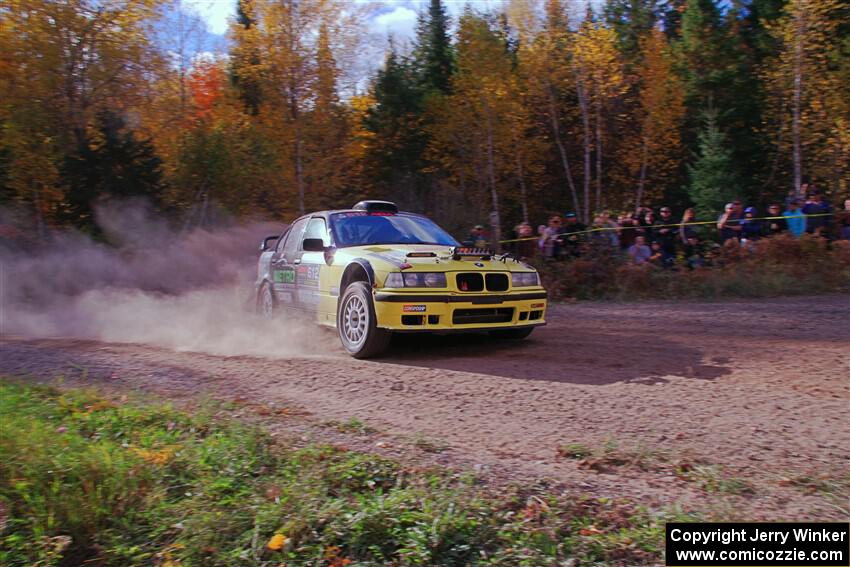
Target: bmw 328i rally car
[372, 271]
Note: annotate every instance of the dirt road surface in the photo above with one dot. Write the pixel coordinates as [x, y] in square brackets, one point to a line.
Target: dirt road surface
[739, 409]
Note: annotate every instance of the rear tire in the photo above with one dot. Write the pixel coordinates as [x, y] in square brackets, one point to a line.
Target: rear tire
[514, 334]
[266, 305]
[356, 323]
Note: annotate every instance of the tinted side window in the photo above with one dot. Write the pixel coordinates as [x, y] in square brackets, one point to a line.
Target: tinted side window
[293, 240]
[316, 229]
[280, 241]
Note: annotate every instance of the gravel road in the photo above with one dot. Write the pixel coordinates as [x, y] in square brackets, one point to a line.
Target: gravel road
[736, 409]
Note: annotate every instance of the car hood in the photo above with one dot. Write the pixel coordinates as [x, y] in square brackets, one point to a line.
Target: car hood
[431, 257]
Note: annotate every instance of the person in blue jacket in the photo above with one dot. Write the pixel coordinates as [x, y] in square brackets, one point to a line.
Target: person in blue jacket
[795, 219]
[750, 228]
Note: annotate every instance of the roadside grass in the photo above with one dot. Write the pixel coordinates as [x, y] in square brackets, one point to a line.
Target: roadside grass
[714, 478]
[612, 456]
[351, 425]
[833, 487]
[84, 480]
[428, 444]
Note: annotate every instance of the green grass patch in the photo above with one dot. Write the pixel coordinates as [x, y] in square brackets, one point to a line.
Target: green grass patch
[84, 480]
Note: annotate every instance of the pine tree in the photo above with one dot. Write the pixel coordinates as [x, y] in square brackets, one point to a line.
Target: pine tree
[245, 58]
[398, 142]
[711, 182]
[433, 56]
[113, 164]
[631, 20]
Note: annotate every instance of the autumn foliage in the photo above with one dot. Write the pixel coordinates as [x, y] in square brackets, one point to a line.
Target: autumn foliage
[533, 107]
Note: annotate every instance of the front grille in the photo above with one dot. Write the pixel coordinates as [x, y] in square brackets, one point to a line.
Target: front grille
[497, 282]
[486, 315]
[470, 282]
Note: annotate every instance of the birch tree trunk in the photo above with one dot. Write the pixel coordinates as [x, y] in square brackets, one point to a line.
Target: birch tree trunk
[495, 220]
[585, 119]
[556, 133]
[644, 156]
[798, 90]
[598, 157]
[522, 189]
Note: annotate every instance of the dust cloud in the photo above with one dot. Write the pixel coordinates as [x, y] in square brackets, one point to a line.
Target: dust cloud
[148, 283]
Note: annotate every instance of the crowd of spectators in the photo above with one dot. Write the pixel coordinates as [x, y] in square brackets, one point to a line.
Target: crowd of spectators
[645, 237]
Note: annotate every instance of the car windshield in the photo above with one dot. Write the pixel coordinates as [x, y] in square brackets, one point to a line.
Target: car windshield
[360, 228]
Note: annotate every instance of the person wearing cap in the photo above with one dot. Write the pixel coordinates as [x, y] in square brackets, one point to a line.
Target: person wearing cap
[774, 225]
[664, 232]
[477, 237]
[572, 235]
[795, 219]
[819, 207]
[750, 228]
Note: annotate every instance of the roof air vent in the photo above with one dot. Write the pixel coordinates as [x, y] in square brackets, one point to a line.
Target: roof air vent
[376, 207]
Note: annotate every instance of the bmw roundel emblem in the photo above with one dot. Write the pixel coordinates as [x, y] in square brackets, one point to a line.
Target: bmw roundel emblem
[479, 264]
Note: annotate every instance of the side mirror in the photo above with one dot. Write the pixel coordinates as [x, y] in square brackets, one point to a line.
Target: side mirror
[264, 245]
[313, 245]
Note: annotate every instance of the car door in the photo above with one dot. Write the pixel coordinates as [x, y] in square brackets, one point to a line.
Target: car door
[309, 266]
[284, 266]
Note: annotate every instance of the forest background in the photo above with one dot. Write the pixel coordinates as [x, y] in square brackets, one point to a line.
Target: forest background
[493, 117]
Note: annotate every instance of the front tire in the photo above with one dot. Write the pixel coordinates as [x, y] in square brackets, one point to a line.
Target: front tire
[514, 334]
[356, 323]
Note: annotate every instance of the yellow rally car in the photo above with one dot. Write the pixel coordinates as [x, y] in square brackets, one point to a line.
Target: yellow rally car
[372, 271]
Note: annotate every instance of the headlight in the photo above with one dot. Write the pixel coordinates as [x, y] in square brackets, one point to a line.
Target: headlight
[415, 279]
[525, 279]
[424, 279]
[394, 279]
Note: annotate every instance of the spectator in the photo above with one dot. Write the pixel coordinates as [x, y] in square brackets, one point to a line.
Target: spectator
[729, 223]
[750, 228]
[646, 222]
[842, 219]
[607, 230]
[795, 219]
[664, 231]
[572, 235]
[525, 245]
[694, 253]
[639, 251]
[819, 223]
[550, 238]
[660, 257]
[686, 230]
[628, 231]
[775, 223]
[477, 237]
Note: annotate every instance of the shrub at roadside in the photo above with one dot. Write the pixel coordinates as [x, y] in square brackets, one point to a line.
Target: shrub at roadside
[88, 481]
[770, 267]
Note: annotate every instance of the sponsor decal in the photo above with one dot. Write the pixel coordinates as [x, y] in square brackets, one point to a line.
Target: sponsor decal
[308, 274]
[284, 276]
[413, 309]
[537, 305]
[479, 264]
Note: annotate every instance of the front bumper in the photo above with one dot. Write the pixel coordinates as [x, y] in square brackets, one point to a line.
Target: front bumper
[457, 312]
